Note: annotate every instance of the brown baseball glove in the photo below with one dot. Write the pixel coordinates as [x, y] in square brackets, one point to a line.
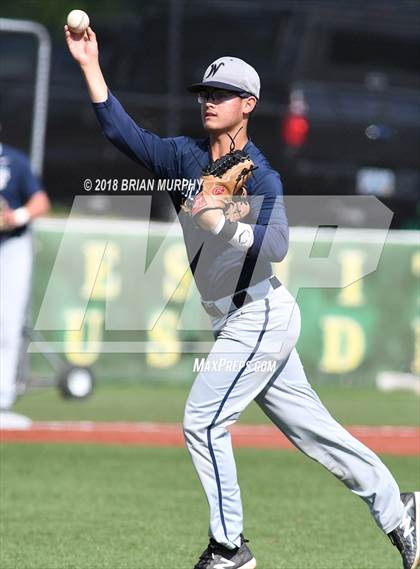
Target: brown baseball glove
[223, 187]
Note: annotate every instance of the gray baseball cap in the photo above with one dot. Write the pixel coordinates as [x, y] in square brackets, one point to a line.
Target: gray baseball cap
[232, 74]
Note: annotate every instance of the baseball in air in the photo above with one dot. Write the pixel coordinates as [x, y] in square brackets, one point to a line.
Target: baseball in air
[78, 21]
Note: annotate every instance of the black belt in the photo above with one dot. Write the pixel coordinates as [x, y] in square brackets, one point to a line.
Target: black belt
[242, 297]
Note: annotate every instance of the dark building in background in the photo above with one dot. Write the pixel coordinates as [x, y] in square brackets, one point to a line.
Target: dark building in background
[340, 106]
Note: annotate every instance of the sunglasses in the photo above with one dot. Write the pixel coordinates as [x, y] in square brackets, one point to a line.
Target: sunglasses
[220, 95]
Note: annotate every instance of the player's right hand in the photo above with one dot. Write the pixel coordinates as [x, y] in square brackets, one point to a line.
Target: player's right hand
[83, 47]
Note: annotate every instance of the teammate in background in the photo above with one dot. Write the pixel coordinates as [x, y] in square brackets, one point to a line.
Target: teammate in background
[253, 315]
[21, 200]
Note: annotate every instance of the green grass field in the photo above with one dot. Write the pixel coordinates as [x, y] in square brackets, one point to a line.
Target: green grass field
[93, 507]
[110, 507]
[128, 402]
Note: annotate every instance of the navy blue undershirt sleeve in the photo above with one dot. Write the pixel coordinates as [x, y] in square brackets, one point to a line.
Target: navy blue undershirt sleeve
[158, 155]
[271, 230]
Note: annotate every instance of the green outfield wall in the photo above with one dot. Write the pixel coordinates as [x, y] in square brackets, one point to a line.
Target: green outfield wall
[118, 296]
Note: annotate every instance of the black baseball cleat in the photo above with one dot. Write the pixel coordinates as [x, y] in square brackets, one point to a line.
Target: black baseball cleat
[217, 556]
[406, 537]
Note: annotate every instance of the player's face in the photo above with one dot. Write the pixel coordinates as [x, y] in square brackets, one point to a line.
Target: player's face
[221, 110]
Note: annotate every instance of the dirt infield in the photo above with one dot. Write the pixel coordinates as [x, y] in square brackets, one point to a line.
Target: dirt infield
[402, 441]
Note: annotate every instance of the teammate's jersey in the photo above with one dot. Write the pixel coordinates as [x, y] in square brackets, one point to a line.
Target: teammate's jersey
[219, 269]
[17, 182]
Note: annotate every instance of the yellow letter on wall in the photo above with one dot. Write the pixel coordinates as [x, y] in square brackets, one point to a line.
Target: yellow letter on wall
[90, 334]
[177, 276]
[101, 281]
[351, 261]
[166, 346]
[344, 344]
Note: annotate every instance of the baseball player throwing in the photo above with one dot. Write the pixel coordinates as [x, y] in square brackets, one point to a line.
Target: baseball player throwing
[234, 226]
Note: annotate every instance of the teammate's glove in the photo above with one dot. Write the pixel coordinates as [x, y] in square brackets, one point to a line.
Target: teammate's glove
[223, 186]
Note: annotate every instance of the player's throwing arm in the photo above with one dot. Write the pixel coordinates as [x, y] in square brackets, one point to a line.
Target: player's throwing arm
[84, 49]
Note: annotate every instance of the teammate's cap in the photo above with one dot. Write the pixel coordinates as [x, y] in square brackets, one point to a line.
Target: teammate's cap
[232, 74]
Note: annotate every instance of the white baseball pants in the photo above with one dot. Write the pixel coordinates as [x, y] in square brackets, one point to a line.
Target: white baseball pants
[15, 283]
[237, 371]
